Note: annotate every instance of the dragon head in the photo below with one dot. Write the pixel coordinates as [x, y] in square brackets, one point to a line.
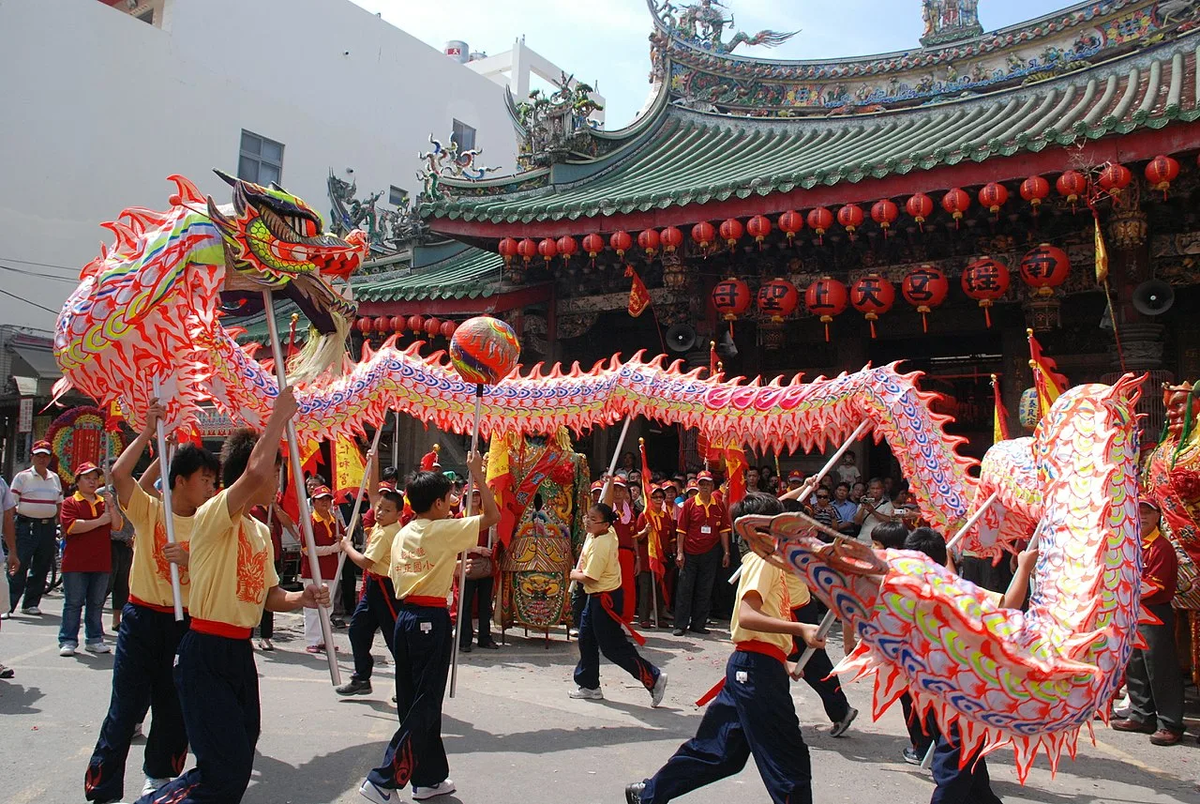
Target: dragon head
[275, 241]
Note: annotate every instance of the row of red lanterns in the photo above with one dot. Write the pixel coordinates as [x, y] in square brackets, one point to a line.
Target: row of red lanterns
[1071, 185]
[985, 280]
[398, 323]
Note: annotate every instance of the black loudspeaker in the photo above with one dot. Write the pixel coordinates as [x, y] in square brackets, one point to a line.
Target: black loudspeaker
[1153, 298]
[681, 338]
[726, 348]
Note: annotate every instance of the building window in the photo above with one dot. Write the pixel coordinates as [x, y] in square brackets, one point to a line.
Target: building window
[464, 135]
[397, 196]
[260, 160]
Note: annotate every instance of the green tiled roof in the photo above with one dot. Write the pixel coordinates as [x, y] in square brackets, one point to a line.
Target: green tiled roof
[469, 274]
[691, 157]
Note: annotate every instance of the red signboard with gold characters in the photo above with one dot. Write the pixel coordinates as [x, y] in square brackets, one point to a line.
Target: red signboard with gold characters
[78, 436]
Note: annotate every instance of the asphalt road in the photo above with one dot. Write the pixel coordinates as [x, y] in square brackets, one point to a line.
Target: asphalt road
[513, 735]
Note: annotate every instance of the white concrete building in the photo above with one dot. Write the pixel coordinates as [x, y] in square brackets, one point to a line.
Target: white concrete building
[516, 68]
[102, 99]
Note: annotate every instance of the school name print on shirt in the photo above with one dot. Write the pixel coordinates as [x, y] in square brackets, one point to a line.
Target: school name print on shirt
[413, 562]
[161, 565]
[251, 570]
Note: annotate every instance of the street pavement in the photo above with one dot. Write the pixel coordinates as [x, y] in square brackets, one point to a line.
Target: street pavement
[513, 735]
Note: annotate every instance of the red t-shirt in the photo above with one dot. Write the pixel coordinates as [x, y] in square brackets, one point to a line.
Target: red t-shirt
[625, 532]
[1160, 569]
[660, 528]
[325, 533]
[701, 525]
[89, 550]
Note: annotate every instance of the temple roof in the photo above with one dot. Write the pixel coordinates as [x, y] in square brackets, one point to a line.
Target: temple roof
[463, 273]
[674, 156]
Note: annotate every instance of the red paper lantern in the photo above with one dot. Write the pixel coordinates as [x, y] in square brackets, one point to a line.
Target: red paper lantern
[731, 297]
[416, 323]
[382, 323]
[1161, 171]
[956, 202]
[671, 239]
[1071, 185]
[432, 327]
[925, 288]
[985, 280]
[527, 248]
[548, 248]
[1035, 190]
[993, 195]
[364, 325]
[850, 217]
[649, 241]
[920, 206]
[398, 322]
[872, 295]
[825, 298]
[884, 212]
[1045, 268]
[1114, 178]
[819, 220]
[508, 249]
[703, 234]
[593, 244]
[731, 231]
[758, 227]
[777, 299]
[448, 328]
[790, 223]
[567, 246]
[620, 242]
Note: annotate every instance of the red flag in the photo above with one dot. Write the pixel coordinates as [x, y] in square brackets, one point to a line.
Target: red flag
[639, 297]
[189, 435]
[735, 470]
[290, 502]
[1046, 378]
[1000, 416]
[113, 417]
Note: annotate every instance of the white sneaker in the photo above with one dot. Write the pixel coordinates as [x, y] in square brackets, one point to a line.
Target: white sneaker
[442, 788]
[659, 690]
[372, 792]
[843, 725]
[584, 694]
[66, 650]
[97, 647]
[152, 785]
[33, 611]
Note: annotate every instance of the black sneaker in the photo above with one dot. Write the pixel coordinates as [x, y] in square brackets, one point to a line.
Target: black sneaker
[465, 648]
[355, 687]
[677, 632]
[912, 757]
[701, 630]
[489, 645]
[633, 792]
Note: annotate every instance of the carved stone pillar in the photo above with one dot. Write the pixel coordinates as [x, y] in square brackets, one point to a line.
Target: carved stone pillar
[1140, 336]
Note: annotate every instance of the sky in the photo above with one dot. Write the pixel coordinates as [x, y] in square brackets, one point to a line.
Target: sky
[605, 42]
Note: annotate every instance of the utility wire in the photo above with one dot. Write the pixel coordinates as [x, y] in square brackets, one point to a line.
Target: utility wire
[27, 301]
[40, 276]
[74, 270]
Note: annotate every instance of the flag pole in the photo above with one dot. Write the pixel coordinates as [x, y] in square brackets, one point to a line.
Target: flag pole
[168, 511]
[975, 517]
[297, 470]
[337, 579]
[462, 557]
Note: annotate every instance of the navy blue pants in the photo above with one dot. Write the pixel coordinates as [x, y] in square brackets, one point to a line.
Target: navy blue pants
[818, 673]
[141, 680]
[921, 731]
[966, 785]
[601, 633]
[218, 690]
[421, 646]
[752, 715]
[36, 546]
[376, 610]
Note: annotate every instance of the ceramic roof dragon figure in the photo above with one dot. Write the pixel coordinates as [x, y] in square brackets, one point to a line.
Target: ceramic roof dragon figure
[154, 305]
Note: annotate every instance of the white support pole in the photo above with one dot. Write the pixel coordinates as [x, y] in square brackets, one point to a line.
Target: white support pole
[168, 512]
[927, 762]
[395, 441]
[297, 472]
[815, 480]
[616, 457]
[822, 631]
[337, 580]
[462, 557]
[975, 517]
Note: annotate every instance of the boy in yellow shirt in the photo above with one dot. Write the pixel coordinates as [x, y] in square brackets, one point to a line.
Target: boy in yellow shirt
[376, 609]
[423, 557]
[149, 635]
[601, 628]
[753, 714]
[232, 578]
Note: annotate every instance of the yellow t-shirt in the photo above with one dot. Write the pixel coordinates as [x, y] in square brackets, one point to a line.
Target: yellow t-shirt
[797, 590]
[379, 548]
[150, 575]
[768, 580]
[424, 553]
[232, 565]
[600, 563]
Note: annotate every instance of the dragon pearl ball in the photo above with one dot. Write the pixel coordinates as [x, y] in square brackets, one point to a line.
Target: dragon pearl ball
[484, 350]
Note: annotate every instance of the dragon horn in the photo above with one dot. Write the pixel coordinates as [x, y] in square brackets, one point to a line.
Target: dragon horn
[230, 180]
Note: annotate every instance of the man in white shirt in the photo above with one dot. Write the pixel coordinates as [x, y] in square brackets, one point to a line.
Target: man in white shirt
[38, 494]
[874, 510]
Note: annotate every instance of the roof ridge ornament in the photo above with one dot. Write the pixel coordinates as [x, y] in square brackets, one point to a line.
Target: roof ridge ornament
[949, 21]
[702, 24]
[447, 162]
